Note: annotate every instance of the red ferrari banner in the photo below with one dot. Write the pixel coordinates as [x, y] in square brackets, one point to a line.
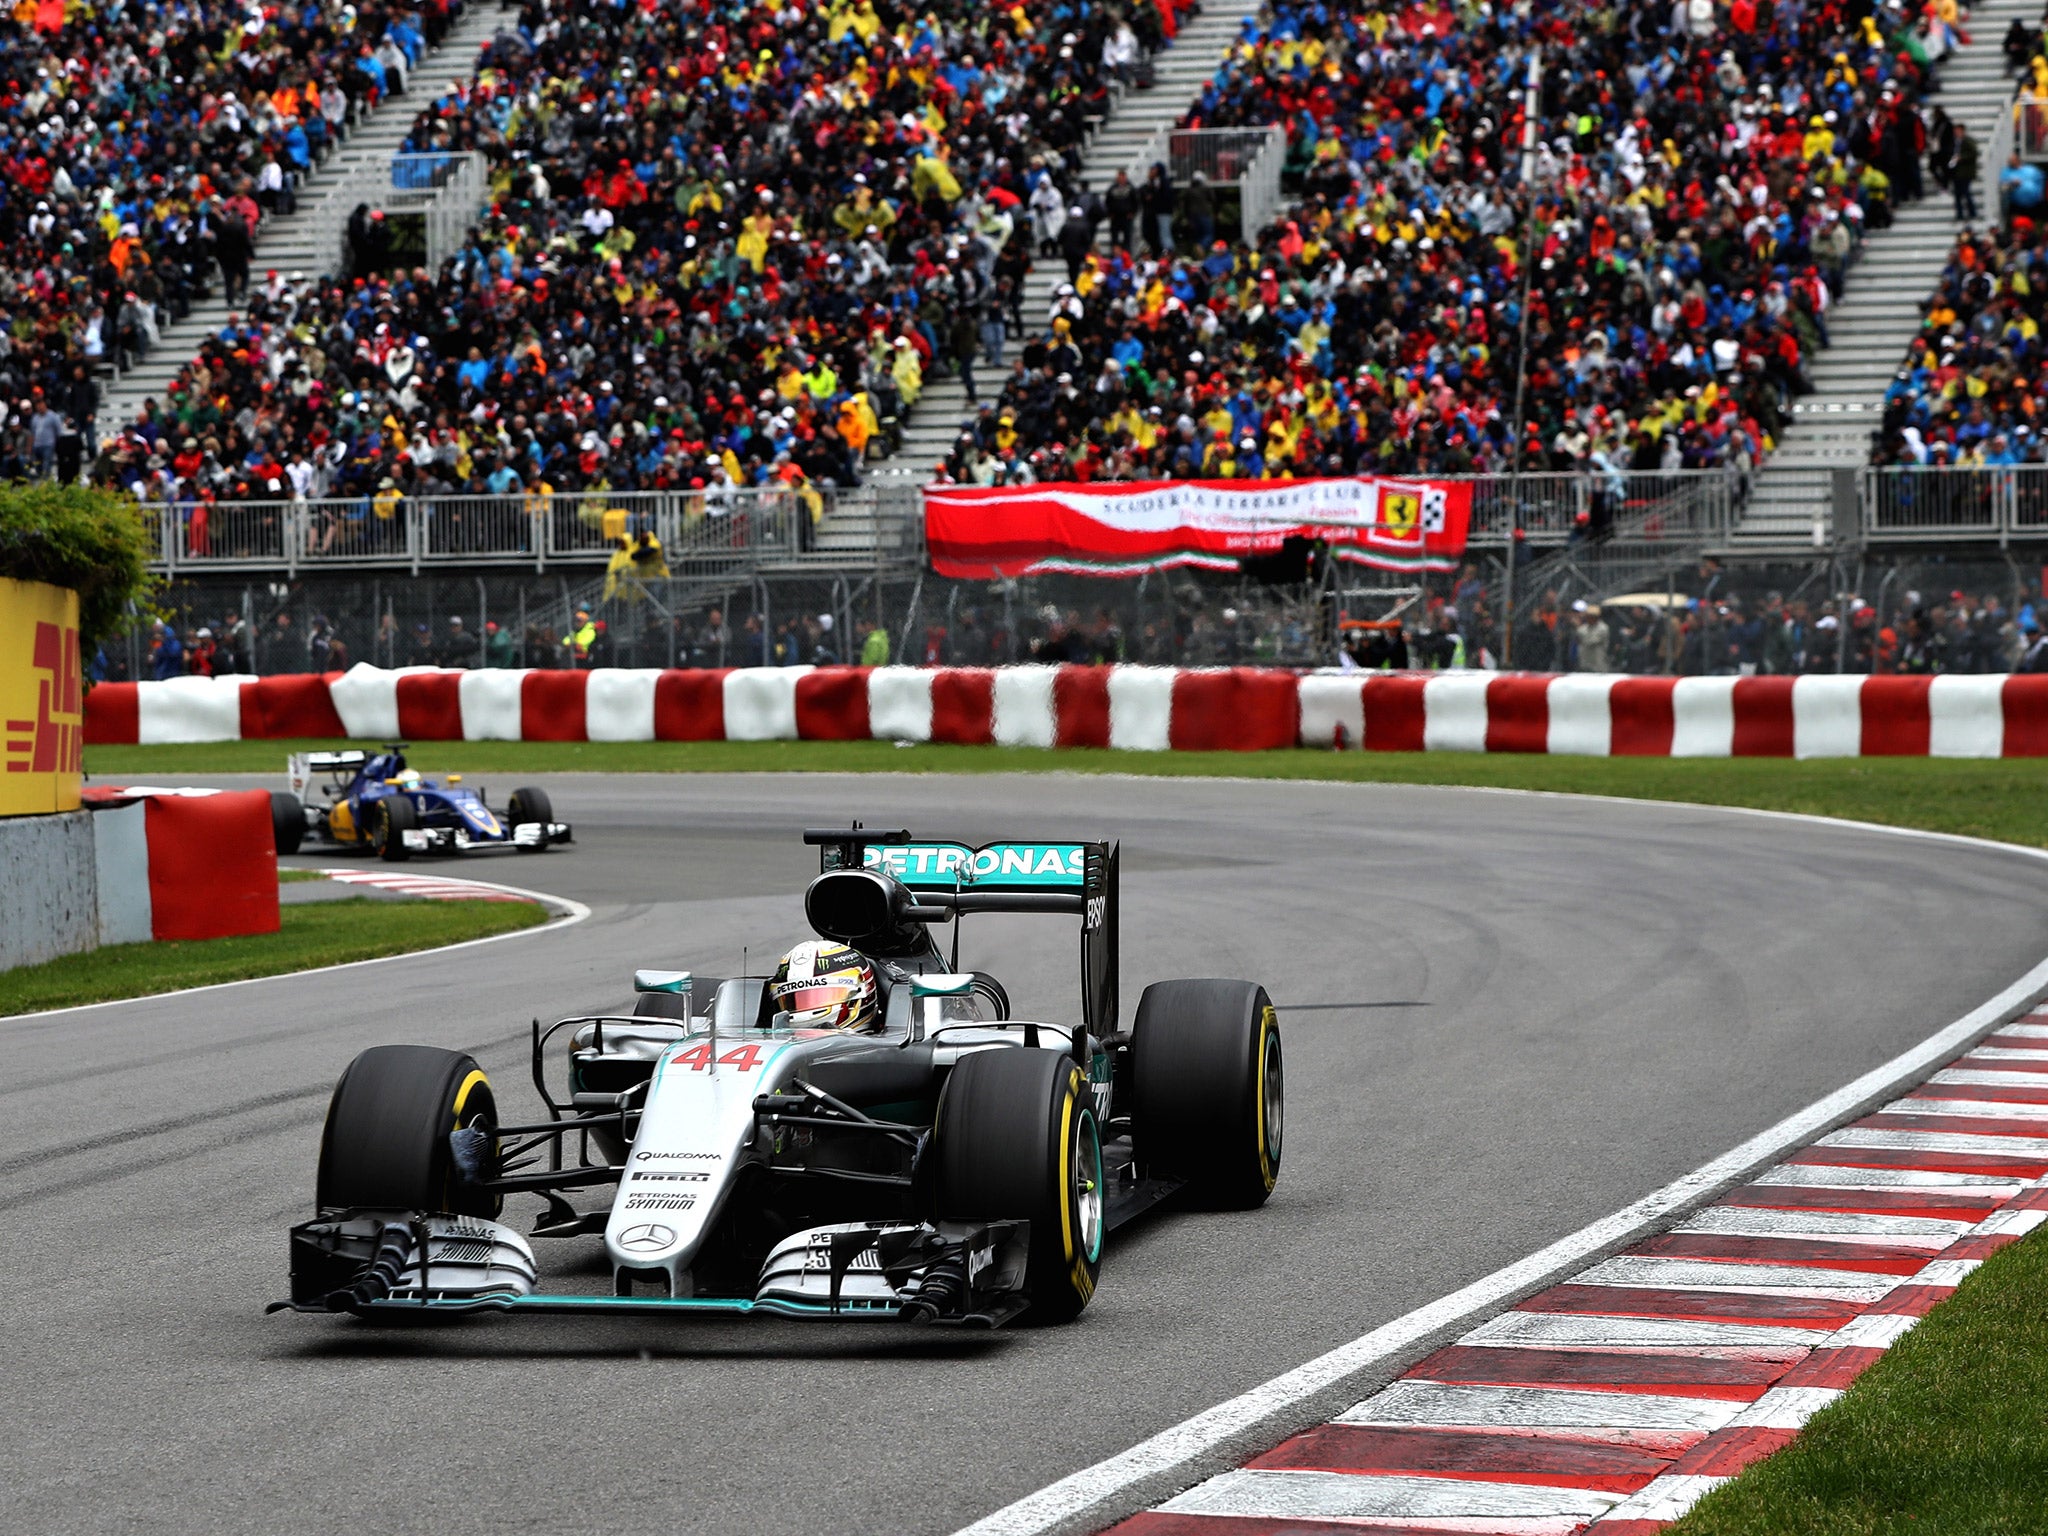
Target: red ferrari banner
[1127, 529]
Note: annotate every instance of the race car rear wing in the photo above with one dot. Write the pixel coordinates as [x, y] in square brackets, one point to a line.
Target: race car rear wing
[301, 766]
[951, 879]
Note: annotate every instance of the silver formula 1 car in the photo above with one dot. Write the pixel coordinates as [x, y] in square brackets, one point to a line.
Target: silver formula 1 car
[955, 1166]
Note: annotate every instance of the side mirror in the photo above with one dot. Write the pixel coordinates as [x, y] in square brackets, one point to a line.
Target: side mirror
[661, 981]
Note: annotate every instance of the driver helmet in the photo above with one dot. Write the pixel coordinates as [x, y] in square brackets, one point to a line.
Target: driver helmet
[821, 985]
[409, 778]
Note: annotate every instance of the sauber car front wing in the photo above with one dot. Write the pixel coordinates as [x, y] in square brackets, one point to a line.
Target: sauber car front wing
[528, 834]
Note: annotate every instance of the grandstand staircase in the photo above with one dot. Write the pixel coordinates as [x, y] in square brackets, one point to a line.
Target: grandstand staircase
[289, 243]
[1179, 73]
[1789, 511]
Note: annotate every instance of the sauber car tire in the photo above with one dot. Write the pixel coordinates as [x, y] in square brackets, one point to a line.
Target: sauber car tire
[529, 804]
[1207, 1089]
[287, 821]
[1015, 1137]
[387, 1143]
[390, 819]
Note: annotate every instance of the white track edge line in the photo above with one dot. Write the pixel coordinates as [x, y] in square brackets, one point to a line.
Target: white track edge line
[572, 913]
[1079, 1492]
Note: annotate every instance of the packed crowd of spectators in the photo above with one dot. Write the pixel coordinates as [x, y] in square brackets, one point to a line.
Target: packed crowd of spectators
[724, 245]
[1768, 634]
[1704, 174]
[141, 143]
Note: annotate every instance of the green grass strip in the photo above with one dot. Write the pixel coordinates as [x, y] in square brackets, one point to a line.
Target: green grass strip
[1996, 798]
[318, 933]
[1947, 1433]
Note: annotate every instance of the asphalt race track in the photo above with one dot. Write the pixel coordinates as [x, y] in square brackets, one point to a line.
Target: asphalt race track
[1505, 1015]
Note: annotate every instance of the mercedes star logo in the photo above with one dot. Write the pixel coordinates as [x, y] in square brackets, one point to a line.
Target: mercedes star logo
[647, 1237]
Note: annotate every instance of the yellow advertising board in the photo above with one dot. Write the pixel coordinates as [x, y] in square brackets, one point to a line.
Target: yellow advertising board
[42, 724]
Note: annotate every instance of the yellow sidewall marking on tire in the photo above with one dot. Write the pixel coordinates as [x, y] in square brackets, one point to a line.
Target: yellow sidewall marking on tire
[1266, 1027]
[1067, 1170]
[462, 1093]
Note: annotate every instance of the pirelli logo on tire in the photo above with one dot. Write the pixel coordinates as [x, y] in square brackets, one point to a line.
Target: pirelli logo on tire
[42, 726]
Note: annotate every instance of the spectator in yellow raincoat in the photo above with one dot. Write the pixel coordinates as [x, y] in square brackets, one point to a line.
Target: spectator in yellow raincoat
[931, 177]
[908, 371]
[857, 423]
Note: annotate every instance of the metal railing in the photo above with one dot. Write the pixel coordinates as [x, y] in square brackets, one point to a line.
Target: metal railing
[692, 528]
[882, 526]
[1956, 504]
[873, 526]
[1249, 159]
[445, 188]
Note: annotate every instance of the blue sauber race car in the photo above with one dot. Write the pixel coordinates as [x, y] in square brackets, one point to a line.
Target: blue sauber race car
[373, 800]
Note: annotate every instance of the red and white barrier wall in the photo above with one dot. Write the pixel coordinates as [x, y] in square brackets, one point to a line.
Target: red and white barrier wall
[183, 863]
[1130, 708]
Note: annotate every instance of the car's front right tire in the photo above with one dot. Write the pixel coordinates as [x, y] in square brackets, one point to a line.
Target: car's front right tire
[1015, 1138]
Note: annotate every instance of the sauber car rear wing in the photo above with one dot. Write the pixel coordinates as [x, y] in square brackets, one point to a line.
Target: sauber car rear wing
[951, 879]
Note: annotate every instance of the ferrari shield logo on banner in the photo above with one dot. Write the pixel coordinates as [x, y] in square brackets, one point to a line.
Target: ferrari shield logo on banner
[1128, 529]
[1400, 520]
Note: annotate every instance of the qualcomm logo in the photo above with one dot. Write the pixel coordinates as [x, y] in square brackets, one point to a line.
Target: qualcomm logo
[649, 1237]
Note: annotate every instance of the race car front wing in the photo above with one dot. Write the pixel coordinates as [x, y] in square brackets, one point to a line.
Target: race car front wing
[965, 1274]
[527, 835]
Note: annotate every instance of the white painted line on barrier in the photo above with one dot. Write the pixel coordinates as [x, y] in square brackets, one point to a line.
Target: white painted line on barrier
[1570, 1330]
[1873, 1330]
[1971, 1109]
[1289, 1495]
[1456, 1405]
[1938, 1141]
[1833, 1176]
[1831, 1226]
[1785, 1408]
[1964, 1077]
[1945, 1272]
[1811, 1280]
[1665, 1498]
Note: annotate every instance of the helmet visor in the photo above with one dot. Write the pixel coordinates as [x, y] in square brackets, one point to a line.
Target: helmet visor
[811, 999]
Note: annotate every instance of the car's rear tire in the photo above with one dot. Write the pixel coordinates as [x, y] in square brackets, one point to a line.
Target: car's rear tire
[657, 1005]
[386, 1144]
[1207, 1089]
[287, 821]
[1015, 1138]
[390, 819]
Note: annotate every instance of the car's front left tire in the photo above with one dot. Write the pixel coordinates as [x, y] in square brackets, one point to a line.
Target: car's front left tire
[1015, 1137]
[390, 820]
[1207, 1089]
[529, 804]
[387, 1144]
